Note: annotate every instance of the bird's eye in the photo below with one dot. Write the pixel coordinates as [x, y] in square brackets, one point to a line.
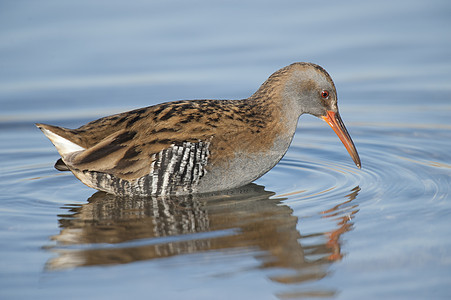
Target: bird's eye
[325, 94]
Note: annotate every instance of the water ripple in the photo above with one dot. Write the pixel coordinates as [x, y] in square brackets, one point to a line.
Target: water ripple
[402, 162]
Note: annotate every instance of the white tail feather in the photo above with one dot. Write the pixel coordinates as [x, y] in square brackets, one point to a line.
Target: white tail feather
[64, 146]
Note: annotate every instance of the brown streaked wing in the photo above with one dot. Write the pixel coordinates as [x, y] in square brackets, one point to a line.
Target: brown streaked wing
[120, 154]
[127, 154]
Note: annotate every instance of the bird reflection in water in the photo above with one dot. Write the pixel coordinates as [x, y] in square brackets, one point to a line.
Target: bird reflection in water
[112, 230]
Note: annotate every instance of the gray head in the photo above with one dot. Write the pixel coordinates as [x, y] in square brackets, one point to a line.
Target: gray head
[308, 88]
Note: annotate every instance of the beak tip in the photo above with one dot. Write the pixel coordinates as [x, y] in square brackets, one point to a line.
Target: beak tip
[356, 159]
[334, 121]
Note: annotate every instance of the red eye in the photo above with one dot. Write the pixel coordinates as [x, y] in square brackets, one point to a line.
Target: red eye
[325, 94]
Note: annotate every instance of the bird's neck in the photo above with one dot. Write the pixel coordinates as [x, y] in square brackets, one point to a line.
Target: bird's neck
[269, 100]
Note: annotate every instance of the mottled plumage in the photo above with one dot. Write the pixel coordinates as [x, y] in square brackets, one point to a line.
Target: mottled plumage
[195, 146]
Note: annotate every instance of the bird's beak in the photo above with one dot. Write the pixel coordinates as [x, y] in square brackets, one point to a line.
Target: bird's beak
[334, 121]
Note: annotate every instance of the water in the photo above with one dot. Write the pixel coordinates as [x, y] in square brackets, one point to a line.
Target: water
[313, 227]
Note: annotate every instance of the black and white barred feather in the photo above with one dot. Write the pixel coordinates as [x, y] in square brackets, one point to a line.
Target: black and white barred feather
[174, 170]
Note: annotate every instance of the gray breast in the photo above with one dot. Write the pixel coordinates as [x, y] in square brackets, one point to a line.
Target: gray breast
[244, 167]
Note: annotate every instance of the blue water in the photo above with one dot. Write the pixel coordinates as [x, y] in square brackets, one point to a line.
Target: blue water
[315, 226]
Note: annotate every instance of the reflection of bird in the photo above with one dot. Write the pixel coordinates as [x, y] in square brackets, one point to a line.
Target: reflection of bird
[240, 218]
[202, 145]
[234, 224]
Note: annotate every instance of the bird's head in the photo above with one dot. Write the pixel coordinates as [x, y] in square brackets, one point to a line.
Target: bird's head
[308, 88]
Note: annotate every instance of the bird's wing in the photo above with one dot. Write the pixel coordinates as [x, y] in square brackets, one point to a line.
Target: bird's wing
[127, 156]
[127, 144]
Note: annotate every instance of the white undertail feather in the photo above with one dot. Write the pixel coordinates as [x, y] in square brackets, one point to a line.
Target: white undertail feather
[64, 146]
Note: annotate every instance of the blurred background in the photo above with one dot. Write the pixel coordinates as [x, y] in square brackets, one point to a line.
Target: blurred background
[60, 57]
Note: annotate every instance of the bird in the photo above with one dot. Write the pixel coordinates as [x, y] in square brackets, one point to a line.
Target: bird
[199, 146]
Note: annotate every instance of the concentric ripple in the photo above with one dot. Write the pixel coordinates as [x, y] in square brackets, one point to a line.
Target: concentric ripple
[404, 162]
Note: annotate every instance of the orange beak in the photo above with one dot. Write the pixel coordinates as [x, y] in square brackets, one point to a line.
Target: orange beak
[334, 121]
